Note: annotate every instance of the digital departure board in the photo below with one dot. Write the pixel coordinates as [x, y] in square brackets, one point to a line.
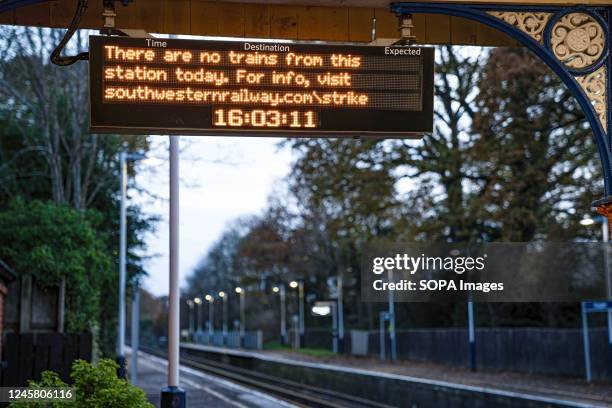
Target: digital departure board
[171, 86]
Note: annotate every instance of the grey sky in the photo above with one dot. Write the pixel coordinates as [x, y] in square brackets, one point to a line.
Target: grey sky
[222, 178]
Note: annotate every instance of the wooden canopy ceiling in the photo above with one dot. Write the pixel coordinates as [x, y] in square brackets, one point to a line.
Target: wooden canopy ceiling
[330, 20]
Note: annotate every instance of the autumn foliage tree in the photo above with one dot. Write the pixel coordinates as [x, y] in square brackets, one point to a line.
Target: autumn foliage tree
[511, 158]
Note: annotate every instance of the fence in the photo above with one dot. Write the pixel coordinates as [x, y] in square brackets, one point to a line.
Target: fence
[318, 338]
[527, 350]
[253, 340]
[27, 355]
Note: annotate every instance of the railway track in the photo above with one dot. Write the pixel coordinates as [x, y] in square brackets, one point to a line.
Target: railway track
[291, 391]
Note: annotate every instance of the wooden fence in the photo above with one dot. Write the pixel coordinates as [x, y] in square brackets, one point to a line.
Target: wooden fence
[27, 355]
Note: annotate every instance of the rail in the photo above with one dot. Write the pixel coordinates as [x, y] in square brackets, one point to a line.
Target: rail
[291, 391]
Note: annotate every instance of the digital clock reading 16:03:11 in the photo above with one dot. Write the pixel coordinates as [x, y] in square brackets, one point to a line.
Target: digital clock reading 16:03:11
[264, 118]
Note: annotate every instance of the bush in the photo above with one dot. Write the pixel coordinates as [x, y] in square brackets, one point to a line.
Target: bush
[96, 387]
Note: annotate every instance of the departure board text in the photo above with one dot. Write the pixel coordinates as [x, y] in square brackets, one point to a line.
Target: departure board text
[216, 87]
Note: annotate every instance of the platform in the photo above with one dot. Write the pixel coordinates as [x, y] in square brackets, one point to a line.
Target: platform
[203, 390]
[535, 389]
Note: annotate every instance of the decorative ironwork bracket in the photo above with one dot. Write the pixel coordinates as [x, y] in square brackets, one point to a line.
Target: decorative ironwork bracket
[573, 41]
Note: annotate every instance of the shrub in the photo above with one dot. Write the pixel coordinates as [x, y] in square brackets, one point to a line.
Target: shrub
[97, 386]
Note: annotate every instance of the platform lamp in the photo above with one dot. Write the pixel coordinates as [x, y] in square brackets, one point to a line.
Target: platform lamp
[211, 316]
[198, 312]
[242, 293]
[299, 284]
[124, 157]
[190, 314]
[223, 296]
[280, 289]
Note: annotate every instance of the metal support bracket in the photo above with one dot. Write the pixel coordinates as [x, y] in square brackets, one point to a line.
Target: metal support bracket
[405, 28]
[573, 41]
[123, 32]
[109, 14]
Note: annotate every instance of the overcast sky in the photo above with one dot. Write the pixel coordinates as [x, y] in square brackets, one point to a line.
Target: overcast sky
[222, 178]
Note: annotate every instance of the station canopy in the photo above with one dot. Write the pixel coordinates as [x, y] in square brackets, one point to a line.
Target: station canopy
[327, 20]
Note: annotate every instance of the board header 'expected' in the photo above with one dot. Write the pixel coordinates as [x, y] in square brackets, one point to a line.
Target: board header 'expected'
[145, 85]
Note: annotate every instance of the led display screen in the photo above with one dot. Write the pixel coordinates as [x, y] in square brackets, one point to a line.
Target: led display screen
[172, 86]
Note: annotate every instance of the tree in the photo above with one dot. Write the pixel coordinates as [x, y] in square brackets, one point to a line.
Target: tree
[346, 195]
[535, 148]
[216, 270]
[48, 154]
[511, 159]
[439, 165]
[56, 243]
[47, 107]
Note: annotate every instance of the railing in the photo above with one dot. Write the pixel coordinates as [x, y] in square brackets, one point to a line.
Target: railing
[253, 340]
[549, 351]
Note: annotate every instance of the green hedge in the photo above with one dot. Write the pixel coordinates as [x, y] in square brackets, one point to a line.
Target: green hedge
[97, 386]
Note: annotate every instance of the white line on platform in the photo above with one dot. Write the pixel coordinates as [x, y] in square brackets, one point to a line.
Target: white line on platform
[484, 390]
[156, 367]
[214, 393]
[159, 365]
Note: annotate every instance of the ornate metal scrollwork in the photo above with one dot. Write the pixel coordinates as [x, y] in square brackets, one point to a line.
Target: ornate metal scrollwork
[577, 40]
[532, 24]
[594, 85]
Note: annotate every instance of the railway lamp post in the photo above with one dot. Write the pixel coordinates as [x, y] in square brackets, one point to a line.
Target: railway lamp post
[173, 396]
[280, 289]
[330, 308]
[223, 296]
[336, 291]
[123, 159]
[211, 317]
[391, 311]
[388, 316]
[301, 324]
[605, 233]
[198, 312]
[190, 314]
[135, 335]
[340, 313]
[242, 293]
